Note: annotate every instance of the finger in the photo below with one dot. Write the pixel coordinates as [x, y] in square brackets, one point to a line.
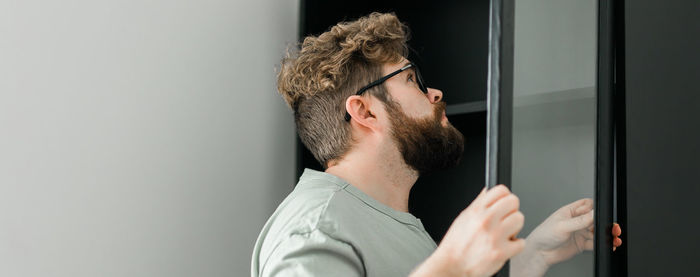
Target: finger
[494, 194]
[512, 224]
[617, 242]
[578, 223]
[583, 206]
[574, 205]
[480, 198]
[476, 204]
[578, 207]
[504, 207]
[616, 230]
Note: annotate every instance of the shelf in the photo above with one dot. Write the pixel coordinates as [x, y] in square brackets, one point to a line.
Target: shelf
[559, 109]
[553, 97]
[464, 108]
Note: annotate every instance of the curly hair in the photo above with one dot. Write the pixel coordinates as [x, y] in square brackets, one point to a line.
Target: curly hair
[316, 80]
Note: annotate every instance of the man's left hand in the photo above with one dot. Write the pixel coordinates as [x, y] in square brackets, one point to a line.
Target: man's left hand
[565, 233]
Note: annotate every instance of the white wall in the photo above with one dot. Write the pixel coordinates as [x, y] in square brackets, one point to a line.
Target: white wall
[140, 138]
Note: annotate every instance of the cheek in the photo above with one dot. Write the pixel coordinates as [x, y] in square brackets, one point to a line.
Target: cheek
[413, 104]
[418, 108]
[425, 110]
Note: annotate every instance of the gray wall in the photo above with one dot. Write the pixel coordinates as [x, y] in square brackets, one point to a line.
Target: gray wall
[140, 138]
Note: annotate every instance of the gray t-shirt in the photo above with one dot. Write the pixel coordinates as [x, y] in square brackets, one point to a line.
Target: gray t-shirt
[327, 227]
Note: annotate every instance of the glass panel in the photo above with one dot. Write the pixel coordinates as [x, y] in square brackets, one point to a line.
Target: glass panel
[554, 121]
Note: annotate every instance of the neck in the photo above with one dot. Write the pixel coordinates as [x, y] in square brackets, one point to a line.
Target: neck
[383, 175]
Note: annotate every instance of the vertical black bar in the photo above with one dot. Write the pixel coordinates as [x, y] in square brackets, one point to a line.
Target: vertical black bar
[604, 141]
[505, 119]
[500, 98]
[302, 21]
[619, 257]
[500, 94]
[300, 148]
[493, 94]
[300, 157]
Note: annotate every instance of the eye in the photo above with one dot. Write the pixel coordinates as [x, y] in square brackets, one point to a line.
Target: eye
[410, 77]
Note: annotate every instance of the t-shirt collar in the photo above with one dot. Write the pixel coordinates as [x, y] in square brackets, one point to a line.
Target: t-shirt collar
[402, 217]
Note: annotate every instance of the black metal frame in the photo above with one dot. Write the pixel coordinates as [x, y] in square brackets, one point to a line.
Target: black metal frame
[608, 105]
[611, 183]
[500, 98]
[500, 94]
[619, 257]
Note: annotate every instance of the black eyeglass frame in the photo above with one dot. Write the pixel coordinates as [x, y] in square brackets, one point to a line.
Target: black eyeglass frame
[419, 80]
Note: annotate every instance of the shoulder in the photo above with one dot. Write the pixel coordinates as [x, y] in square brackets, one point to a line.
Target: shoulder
[303, 211]
[306, 221]
[317, 204]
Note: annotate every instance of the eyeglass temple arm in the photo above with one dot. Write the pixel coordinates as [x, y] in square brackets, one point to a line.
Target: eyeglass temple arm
[377, 82]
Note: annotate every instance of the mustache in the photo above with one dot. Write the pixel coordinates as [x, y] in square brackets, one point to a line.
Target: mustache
[440, 107]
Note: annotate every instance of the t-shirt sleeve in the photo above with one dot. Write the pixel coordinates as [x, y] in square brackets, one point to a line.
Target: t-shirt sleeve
[313, 254]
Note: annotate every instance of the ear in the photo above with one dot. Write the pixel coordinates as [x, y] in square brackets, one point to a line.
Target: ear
[360, 110]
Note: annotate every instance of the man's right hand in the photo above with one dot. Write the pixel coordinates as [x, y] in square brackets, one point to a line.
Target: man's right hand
[481, 239]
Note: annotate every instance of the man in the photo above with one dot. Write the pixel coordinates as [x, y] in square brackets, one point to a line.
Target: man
[362, 109]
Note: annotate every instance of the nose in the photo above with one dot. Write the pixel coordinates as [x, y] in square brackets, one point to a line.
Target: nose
[434, 95]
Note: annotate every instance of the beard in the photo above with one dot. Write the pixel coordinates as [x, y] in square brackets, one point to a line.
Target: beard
[425, 144]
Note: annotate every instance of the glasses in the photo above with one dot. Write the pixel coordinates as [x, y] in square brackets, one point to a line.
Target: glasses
[419, 79]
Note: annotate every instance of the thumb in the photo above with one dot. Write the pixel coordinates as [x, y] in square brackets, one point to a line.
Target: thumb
[578, 223]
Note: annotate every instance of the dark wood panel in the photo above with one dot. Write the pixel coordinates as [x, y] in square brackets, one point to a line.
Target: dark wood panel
[663, 137]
